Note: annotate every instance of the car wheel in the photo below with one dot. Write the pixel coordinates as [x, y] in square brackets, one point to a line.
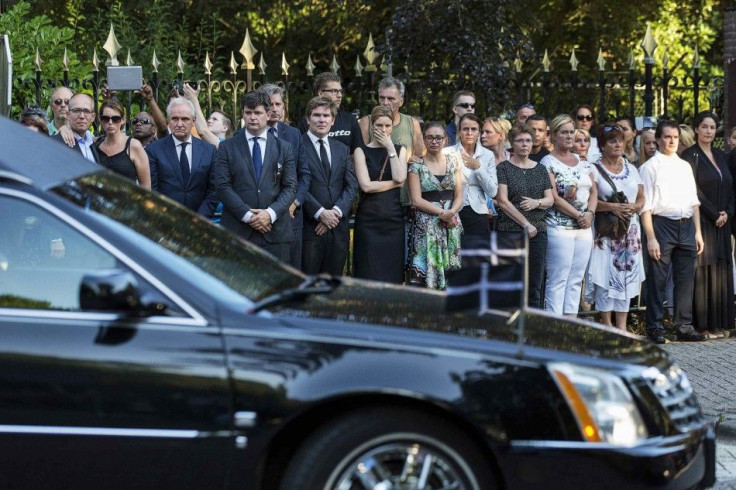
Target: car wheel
[386, 448]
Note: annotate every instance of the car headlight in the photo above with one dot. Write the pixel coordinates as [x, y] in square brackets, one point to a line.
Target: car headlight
[601, 403]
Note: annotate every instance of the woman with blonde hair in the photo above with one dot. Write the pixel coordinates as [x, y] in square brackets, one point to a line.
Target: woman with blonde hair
[647, 145]
[494, 137]
[581, 144]
[569, 221]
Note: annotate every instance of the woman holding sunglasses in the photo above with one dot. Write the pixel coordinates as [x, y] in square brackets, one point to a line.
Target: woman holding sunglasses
[119, 152]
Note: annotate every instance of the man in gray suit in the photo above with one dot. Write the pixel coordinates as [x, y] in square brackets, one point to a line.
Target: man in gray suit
[255, 177]
[331, 191]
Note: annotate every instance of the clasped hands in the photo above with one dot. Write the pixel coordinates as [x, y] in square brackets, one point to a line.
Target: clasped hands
[623, 210]
[448, 217]
[260, 220]
[328, 219]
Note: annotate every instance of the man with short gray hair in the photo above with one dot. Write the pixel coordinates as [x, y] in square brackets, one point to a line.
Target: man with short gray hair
[181, 164]
[406, 130]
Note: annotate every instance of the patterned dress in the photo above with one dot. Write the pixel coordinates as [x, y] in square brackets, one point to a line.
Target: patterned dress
[616, 265]
[434, 249]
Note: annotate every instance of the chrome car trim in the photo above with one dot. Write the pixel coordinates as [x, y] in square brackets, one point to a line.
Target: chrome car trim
[175, 298]
[113, 431]
[98, 316]
[245, 419]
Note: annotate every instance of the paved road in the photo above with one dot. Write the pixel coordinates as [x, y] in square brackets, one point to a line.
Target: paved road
[711, 369]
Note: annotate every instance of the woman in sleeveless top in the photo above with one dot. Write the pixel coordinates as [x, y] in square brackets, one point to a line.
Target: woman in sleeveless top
[436, 186]
[380, 167]
[118, 152]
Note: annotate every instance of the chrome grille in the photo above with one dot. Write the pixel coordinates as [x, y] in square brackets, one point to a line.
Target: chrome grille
[673, 390]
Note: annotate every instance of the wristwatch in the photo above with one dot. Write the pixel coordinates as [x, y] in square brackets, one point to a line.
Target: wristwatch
[297, 203]
[391, 155]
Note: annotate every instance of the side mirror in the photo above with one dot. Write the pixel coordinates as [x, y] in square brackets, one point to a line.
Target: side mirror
[110, 290]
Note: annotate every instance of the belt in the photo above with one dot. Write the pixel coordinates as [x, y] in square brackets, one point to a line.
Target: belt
[435, 196]
[678, 220]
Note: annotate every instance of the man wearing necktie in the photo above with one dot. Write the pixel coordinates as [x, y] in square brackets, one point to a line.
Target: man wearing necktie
[278, 128]
[332, 189]
[181, 164]
[255, 176]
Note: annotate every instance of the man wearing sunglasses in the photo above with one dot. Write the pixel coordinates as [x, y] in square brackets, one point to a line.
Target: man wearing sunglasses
[60, 108]
[144, 129]
[463, 102]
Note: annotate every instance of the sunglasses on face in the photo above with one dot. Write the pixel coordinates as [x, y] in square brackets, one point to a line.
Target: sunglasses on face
[141, 120]
[107, 119]
[60, 101]
[581, 117]
[465, 105]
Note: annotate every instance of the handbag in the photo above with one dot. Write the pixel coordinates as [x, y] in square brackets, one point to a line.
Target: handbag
[608, 224]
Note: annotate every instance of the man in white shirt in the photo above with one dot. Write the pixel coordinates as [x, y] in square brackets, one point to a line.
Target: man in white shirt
[670, 219]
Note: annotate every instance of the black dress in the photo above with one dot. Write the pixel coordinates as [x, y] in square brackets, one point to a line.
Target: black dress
[378, 251]
[713, 302]
[120, 162]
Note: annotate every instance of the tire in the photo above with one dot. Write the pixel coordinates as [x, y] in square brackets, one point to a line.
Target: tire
[385, 443]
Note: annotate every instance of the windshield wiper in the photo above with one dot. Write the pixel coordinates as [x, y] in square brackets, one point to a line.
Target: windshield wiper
[321, 284]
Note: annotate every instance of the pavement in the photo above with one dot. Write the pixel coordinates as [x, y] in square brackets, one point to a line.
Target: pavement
[711, 368]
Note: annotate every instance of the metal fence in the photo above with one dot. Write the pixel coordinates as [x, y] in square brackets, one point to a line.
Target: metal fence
[652, 91]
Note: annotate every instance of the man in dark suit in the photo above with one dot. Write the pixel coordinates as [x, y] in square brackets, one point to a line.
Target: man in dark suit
[331, 191]
[80, 118]
[278, 128]
[255, 176]
[180, 164]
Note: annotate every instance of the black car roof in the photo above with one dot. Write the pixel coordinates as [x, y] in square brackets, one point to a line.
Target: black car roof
[38, 159]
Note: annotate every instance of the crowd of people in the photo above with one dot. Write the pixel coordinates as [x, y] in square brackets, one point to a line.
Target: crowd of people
[601, 213]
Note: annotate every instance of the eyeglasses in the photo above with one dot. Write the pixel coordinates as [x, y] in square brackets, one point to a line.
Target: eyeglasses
[465, 105]
[581, 117]
[333, 91]
[78, 110]
[141, 120]
[114, 119]
[60, 101]
[431, 138]
[525, 141]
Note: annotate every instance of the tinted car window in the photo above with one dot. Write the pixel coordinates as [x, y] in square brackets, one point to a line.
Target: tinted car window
[43, 259]
[234, 262]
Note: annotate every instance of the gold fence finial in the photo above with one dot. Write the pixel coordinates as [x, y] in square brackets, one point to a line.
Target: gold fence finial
[545, 61]
[284, 65]
[95, 60]
[65, 61]
[358, 67]
[179, 63]
[113, 47]
[207, 64]
[649, 44]
[262, 65]
[233, 64]
[574, 61]
[310, 66]
[632, 60]
[37, 61]
[129, 60]
[155, 62]
[248, 51]
[517, 65]
[601, 60]
[370, 51]
[334, 66]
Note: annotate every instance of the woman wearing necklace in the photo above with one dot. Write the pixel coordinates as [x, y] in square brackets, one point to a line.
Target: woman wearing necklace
[569, 221]
[713, 307]
[436, 188]
[616, 271]
[524, 195]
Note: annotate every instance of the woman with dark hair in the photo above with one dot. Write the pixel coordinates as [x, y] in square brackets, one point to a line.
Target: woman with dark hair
[479, 177]
[118, 152]
[628, 126]
[713, 306]
[524, 195]
[380, 167]
[584, 116]
[35, 119]
[436, 188]
[616, 270]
